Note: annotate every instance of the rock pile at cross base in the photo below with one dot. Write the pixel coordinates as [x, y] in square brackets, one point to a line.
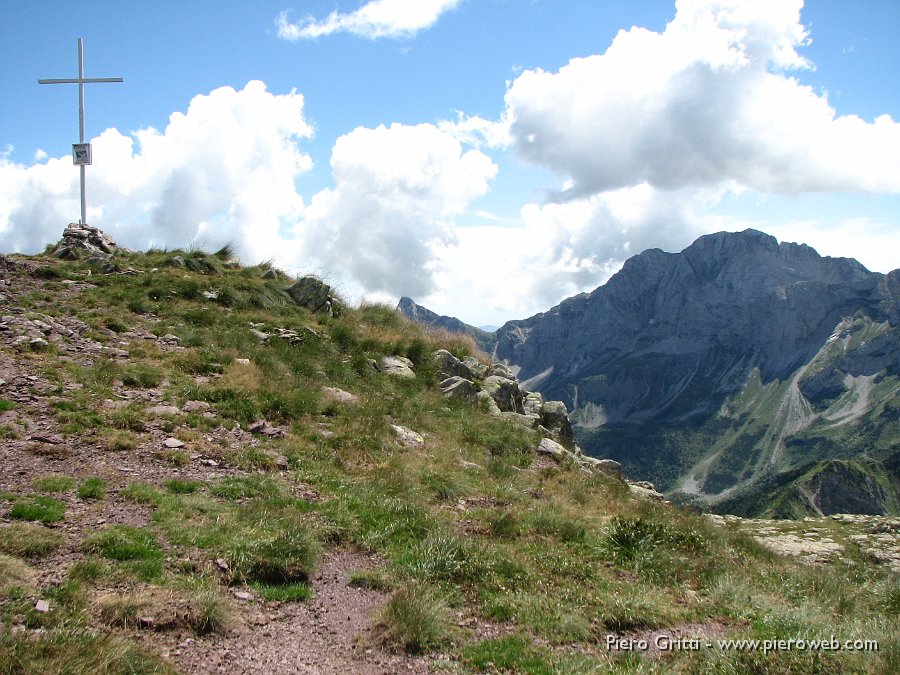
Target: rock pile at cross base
[78, 238]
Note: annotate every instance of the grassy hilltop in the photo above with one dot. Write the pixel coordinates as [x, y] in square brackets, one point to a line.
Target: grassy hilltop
[188, 486]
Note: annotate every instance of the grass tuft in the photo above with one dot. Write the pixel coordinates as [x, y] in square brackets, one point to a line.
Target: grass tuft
[38, 508]
[27, 540]
[415, 620]
[288, 558]
[92, 488]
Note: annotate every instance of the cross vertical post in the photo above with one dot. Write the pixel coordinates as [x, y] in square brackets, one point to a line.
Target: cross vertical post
[82, 152]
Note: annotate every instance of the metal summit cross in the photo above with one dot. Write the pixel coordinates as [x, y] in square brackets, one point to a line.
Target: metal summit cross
[81, 153]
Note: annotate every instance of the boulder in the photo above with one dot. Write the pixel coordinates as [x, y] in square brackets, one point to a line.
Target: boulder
[532, 403]
[449, 366]
[555, 417]
[313, 294]
[477, 368]
[459, 388]
[501, 370]
[488, 402]
[397, 366]
[505, 392]
[407, 437]
[528, 421]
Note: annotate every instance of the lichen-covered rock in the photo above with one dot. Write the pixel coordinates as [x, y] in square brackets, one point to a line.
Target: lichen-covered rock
[313, 294]
[459, 388]
[478, 369]
[397, 366]
[505, 392]
[407, 437]
[449, 366]
[528, 421]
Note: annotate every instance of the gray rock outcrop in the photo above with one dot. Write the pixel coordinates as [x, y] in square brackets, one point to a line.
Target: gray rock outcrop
[448, 365]
[459, 388]
[505, 392]
[313, 294]
[397, 366]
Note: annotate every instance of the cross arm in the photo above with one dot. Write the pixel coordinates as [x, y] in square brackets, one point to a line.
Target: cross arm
[85, 80]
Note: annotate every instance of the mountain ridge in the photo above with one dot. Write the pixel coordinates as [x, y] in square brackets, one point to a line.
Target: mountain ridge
[672, 339]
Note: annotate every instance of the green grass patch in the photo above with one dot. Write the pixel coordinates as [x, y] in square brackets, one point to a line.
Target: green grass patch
[240, 487]
[124, 542]
[92, 488]
[38, 508]
[142, 375]
[416, 619]
[77, 651]
[26, 540]
[294, 592]
[183, 487]
[142, 493]
[510, 654]
[287, 558]
[373, 580]
[6, 405]
[53, 484]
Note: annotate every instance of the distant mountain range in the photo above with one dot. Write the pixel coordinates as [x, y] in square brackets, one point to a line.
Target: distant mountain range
[741, 374]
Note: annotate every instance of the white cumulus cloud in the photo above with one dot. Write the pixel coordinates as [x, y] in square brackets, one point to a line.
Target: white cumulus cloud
[397, 192]
[221, 172]
[375, 19]
[709, 100]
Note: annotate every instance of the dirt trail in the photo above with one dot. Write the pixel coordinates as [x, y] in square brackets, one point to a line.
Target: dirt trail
[322, 635]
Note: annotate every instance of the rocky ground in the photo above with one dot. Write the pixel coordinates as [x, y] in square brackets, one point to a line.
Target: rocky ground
[330, 632]
[325, 634]
[838, 539]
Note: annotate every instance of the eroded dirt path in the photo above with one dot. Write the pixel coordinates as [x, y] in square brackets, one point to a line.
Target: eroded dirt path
[326, 634]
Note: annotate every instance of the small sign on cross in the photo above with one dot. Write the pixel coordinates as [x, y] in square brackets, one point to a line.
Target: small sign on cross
[81, 151]
[81, 154]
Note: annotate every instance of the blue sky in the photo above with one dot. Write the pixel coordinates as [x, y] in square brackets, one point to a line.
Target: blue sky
[486, 157]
